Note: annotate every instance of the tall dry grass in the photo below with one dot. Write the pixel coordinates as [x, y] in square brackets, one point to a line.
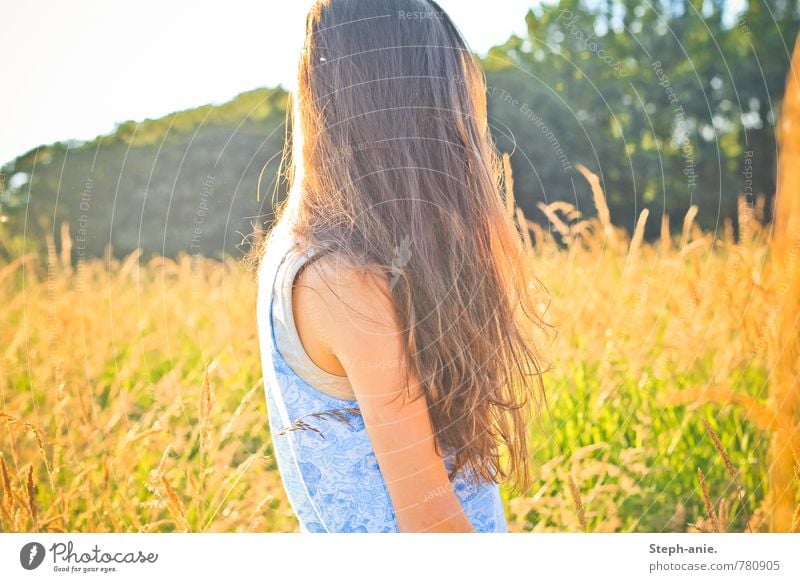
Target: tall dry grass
[784, 322]
[656, 313]
[131, 398]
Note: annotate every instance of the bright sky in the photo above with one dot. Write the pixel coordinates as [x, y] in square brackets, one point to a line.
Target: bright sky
[72, 69]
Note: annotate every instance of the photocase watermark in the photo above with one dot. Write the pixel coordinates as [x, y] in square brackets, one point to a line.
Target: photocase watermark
[747, 173]
[195, 246]
[508, 98]
[402, 256]
[346, 152]
[438, 492]
[743, 26]
[420, 15]
[749, 199]
[537, 120]
[772, 320]
[746, 214]
[82, 234]
[3, 196]
[681, 132]
[31, 555]
[67, 559]
[588, 42]
[548, 134]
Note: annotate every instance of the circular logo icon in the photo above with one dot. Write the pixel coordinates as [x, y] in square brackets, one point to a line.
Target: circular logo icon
[31, 555]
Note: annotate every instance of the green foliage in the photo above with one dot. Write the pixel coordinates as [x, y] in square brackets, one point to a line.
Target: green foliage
[662, 100]
[646, 453]
[185, 182]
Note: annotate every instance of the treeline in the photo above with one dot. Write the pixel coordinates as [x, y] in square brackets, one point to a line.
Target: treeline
[186, 182]
[672, 103]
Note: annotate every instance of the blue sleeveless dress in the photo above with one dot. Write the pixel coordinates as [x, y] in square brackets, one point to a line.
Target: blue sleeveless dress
[326, 461]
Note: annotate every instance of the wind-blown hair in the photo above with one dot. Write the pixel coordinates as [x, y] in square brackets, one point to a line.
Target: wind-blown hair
[391, 165]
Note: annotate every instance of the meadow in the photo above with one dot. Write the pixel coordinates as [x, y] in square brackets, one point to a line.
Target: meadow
[131, 397]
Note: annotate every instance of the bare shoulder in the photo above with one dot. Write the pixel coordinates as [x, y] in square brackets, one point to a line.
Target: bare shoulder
[346, 292]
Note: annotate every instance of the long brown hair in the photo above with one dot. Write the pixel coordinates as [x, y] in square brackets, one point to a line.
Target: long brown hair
[392, 166]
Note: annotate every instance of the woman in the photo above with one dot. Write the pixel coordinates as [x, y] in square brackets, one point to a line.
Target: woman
[394, 303]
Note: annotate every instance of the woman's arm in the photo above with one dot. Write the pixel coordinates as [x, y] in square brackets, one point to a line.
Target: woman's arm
[346, 316]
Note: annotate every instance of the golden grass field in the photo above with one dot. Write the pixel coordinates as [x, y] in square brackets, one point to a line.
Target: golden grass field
[131, 397]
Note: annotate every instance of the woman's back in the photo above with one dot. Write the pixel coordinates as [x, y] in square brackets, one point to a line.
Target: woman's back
[327, 463]
[421, 297]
